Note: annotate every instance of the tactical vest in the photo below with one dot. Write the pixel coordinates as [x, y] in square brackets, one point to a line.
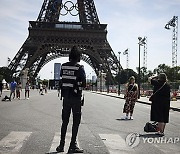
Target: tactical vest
[71, 85]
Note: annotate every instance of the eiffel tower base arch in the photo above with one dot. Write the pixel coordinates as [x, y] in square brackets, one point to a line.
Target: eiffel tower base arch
[50, 39]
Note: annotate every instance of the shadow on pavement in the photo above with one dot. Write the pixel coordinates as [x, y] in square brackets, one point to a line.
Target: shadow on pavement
[119, 119]
[150, 135]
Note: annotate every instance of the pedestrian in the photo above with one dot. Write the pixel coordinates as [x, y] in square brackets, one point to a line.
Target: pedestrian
[13, 85]
[45, 89]
[160, 101]
[73, 80]
[27, 89]
[131, 96]
[18, 89]
[1, 87]
[41, 89]
[59, 87]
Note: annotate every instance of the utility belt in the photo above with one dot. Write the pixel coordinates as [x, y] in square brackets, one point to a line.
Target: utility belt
[71, 92]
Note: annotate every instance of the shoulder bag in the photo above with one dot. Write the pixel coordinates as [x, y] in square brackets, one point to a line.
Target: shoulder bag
[152, 96]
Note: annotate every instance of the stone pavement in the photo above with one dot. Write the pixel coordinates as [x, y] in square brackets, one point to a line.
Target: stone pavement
[174, 105]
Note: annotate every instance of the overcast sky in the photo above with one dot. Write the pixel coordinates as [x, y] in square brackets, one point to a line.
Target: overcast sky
[126, 19]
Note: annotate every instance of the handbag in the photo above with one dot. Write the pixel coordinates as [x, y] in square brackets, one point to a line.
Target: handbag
[150, 127]
[152, 96]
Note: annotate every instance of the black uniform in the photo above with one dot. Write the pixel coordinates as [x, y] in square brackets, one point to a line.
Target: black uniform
[73, 79]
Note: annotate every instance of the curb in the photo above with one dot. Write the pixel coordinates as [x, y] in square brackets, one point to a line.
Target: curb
[142, 102]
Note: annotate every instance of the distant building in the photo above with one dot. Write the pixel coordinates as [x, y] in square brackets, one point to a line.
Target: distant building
[94, 78]
[101, 81]
[57, 68]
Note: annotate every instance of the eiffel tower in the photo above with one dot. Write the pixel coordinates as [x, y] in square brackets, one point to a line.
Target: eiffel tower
[49, 38]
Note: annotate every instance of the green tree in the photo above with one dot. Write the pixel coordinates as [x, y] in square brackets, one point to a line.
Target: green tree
[162, 68]
[45, 82]
[143, 73]
[178, 73]
[149, 73]
[6, 73]
[124, 75]
[1, 77]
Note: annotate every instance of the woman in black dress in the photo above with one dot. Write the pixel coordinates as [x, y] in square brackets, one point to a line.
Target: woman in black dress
[161, 101]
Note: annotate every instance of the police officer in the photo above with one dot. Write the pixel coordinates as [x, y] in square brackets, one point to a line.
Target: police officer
[73, 79]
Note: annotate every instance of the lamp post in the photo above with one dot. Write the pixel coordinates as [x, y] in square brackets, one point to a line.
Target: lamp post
[126, 52]
[141, 43]
[107, 81]
[119, 80]
[90, 82]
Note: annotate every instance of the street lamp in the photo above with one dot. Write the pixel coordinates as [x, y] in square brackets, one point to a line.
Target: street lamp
[141, 43]
[126, 52]
[90, 81]
[119, 75]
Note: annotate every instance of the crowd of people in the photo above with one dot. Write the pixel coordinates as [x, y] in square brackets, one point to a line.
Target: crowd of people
[16, 90]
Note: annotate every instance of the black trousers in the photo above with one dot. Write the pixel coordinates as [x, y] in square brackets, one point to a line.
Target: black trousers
[74, 104]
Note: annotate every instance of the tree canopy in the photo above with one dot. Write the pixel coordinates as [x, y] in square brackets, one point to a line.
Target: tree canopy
[5, 73]
[173, 73]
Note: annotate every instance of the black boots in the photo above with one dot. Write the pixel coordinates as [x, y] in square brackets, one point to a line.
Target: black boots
[60, 148]
[73, 148]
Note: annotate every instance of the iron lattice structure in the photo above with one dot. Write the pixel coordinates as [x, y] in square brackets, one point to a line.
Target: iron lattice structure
[49, 38]
[174, 24]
